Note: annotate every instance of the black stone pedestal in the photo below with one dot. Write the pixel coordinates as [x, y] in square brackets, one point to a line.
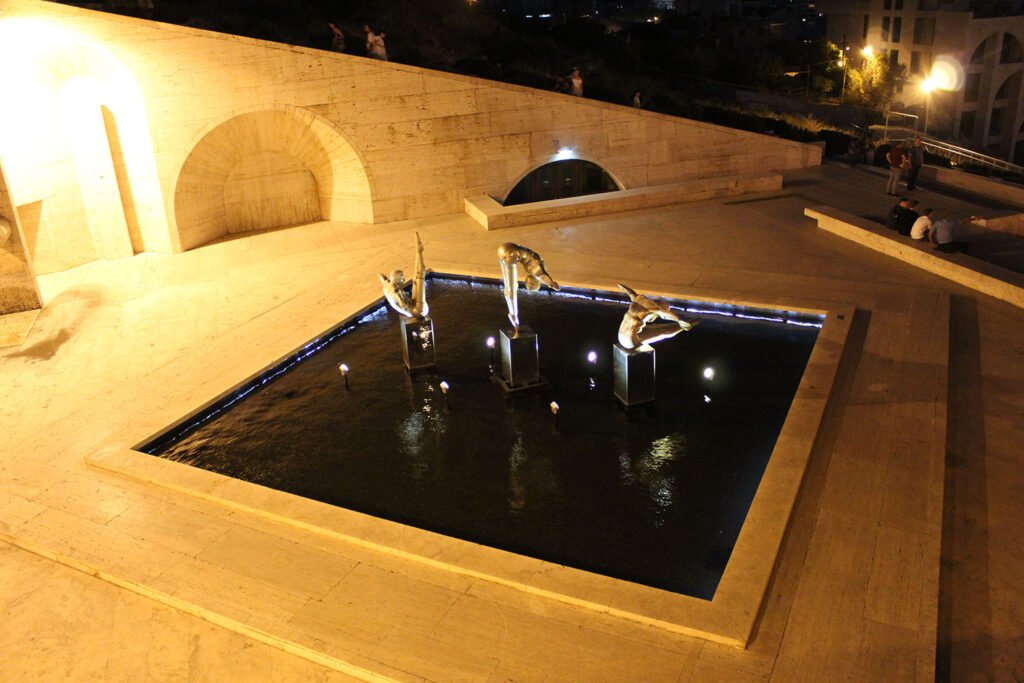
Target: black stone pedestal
[520, 363]
[418, 343]
[634, 375]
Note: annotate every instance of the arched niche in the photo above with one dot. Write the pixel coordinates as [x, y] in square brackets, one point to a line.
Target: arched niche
[559, 179]
[269, 168]
[78, 147]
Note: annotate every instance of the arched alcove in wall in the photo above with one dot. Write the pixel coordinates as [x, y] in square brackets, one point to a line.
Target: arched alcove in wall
[269, 168]
[559, 179]
[78, 147]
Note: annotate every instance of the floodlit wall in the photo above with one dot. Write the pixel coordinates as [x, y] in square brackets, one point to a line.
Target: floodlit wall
[18, 291]
[134, 136]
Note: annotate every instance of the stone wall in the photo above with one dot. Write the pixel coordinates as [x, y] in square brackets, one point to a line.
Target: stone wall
[138, 136]
[18, 291]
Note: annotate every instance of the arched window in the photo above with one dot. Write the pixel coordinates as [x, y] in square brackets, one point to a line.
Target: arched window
[1012, 51]
[560, 179]
[1009, 88]
[979, 54]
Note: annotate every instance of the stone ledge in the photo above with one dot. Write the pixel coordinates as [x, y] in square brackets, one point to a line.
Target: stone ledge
[992, 188]
[995, 281]
[493, 216]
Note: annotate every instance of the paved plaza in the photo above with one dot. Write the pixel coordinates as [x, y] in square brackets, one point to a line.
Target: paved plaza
[112, 577]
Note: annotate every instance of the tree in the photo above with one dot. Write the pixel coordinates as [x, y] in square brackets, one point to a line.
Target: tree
[872, 81]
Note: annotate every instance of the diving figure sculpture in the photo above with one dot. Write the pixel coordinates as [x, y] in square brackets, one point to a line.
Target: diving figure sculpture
[412, 305]
[417, 327]
[511, 256]
[638, 329]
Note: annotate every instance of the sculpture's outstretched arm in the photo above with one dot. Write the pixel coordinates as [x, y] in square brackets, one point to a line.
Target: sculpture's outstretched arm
[638, 329]
[419, 286]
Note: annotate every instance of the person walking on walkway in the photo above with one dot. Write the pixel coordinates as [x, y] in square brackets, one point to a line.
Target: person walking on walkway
[916, 162]
[896, 158]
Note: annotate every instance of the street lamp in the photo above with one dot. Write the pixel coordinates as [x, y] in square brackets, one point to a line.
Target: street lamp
[927, 86]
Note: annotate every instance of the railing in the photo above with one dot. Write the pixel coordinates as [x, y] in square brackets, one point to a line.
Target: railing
[960, 155]
[956, 155]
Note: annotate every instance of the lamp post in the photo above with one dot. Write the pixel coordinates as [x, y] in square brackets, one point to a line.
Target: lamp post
[927, 86]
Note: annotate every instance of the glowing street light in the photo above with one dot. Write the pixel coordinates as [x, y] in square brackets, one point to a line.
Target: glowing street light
[927, 86]
[868, 51]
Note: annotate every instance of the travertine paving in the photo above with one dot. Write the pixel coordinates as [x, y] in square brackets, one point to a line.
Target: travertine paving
[856, 591]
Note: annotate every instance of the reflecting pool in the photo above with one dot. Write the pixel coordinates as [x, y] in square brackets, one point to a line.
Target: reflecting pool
[655, 496]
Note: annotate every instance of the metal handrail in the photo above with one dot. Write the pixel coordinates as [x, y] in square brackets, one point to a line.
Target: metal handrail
[956, 155]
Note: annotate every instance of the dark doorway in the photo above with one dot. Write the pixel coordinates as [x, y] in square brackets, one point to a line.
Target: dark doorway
[559, 179]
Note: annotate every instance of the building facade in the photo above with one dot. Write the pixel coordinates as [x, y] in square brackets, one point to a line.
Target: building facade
[985, 40]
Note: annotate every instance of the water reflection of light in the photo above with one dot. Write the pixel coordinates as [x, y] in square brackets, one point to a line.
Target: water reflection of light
[517, 491]
[411, 432]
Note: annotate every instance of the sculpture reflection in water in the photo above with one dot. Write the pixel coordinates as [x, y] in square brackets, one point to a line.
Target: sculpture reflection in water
[417, 327]
[511, 256]
[633, 355]
[638, 329]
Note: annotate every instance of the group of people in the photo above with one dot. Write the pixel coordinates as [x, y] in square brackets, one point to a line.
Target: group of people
[905, 219]
[375, 48]
[901, 159]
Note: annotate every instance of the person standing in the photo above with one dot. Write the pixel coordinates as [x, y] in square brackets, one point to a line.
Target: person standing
[638, 99]
[576, 83]
[337, 38]
[375, 44]
[916, 162]
[896, 158]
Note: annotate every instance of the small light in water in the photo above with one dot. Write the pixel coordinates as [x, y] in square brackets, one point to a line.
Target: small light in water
[592, 357]
[490, 342]
[554, 408]
[707, 399]
[709, 373]
[444, 387]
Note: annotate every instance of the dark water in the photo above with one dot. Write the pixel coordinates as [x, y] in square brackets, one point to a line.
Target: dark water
[655, 496]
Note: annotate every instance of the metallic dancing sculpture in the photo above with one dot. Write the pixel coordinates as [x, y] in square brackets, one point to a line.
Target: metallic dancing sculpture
[414, 305]
[637, 331]
[510, 256]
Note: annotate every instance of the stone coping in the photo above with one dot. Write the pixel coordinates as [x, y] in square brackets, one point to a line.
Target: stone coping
[987, 278]
[729, 618]
[983, 186]
[492, 215]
